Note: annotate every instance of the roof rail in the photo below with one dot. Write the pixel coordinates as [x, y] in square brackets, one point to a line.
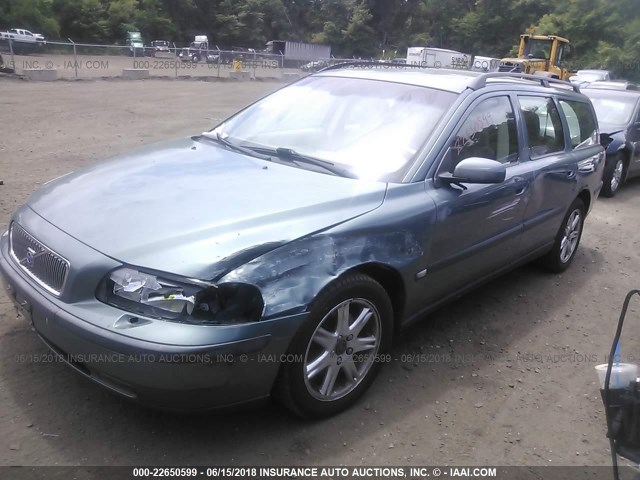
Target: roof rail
[481, 81]
[365, 63]
[477, 83]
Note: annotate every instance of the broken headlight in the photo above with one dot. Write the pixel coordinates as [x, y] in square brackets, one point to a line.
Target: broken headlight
[180, 299]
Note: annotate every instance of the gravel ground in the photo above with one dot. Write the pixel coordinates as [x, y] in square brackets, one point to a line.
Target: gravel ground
[503, 376]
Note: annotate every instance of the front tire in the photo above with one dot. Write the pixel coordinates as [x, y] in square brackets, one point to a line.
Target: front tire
[337, 351]
[613, 177]
[567, 239]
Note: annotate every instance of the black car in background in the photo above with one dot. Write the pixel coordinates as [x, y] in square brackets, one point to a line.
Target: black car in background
[618, 113]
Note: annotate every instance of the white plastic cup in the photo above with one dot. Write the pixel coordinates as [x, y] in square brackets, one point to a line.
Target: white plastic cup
[621, 375]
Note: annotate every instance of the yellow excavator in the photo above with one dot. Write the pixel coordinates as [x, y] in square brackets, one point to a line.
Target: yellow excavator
[540, 55]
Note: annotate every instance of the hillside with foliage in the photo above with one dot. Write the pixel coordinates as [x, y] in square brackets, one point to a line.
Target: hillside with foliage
[605, 33]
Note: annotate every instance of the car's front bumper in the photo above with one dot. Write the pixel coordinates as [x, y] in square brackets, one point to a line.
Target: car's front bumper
[158, 363]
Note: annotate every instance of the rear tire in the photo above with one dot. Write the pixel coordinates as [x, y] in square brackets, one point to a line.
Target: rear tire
[614, 175]
[567, 239]
[338, 351]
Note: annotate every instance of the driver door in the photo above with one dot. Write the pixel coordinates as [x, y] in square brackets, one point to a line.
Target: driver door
[479, 226]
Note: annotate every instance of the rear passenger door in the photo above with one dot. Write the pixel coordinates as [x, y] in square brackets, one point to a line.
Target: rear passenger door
[555, 147]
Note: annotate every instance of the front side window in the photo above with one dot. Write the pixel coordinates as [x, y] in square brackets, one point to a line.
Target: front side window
[543, 125]
[582, 126]
[488, 132]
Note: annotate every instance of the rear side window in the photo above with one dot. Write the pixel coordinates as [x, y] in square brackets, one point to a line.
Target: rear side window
[543, 125]
[582, 124]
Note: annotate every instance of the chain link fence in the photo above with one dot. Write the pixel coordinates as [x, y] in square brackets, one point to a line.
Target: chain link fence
[72, 60]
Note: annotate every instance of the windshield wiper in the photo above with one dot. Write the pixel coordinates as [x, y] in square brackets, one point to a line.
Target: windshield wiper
[232, 146]
[287, 154]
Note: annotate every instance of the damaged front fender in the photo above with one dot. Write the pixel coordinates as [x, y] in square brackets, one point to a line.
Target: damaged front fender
[290, 277]
[394, 237]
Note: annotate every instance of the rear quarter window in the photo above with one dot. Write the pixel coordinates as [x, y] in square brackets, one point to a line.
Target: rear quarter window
[581, 121]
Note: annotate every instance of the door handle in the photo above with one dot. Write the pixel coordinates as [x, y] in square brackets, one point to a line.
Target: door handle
[590, 164]
[521, 185]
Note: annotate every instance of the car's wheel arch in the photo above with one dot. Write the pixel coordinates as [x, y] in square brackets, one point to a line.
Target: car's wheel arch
[328, 298]
[620, 151]
[625, 153]
[387, 276]
[392, 282]
[585, 196]
[292, 276]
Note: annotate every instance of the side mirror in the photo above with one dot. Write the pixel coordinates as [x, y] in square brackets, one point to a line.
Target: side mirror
[476, 170]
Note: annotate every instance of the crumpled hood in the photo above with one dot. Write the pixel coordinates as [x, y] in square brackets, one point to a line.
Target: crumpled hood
[193, 208]
[617, 134]
[610, 128]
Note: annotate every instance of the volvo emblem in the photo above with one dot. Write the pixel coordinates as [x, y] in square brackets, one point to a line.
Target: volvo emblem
[30, 256]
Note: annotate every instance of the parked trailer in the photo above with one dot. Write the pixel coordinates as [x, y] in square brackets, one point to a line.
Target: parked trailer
[437, 58]
[485, 64]
[294, 53]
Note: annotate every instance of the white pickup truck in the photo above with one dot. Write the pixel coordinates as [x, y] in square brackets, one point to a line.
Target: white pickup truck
[23, 40]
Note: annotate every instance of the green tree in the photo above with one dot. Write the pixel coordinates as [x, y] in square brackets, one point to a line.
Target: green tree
[494, 27]
[603, 33]
[153, 21]
[82, 20]
[249, 23]
[34, 15]
[359, 37]
[121, 16]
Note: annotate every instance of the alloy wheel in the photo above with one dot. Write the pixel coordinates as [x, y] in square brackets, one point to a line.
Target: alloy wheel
[616, 178]
[342, 349]
[571, 236]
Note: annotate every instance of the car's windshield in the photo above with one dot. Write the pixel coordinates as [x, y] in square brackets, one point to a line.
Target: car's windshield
[372, 128]
[614, 110]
